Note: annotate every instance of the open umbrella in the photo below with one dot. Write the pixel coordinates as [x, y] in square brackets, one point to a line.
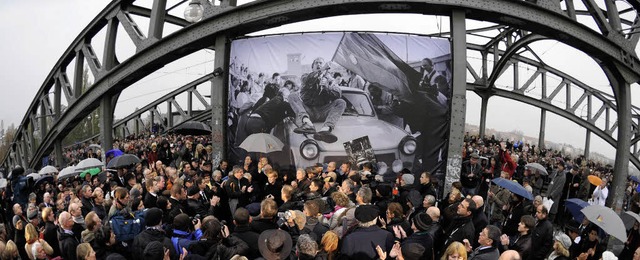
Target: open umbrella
[91, 171]
[635, 179]
[607, 220]
[513, 187]
[574, 206]
[88, 164]
[629, 218]
[3, 183]
[536, 167]
[193, 128]
[123, 161]
[113, 153]
[94, 146]
[595, 180]
[262, 143]
[43, 179]
[48, 170]
[68, 172]
[34, 175]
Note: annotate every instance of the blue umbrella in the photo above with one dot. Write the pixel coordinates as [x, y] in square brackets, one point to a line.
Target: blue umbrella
[575, 206]
[513, 187]
[635, 178]
[114, 153]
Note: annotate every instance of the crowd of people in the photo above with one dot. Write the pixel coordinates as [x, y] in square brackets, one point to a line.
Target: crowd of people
[175, 204]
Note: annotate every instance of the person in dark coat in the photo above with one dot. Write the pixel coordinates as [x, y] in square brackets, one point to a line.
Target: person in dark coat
[178, 196]
[479, 218]
[361, 243]
[420, 224]
[516, 211]
[153, 232]
[86, 199]
[488, 239]
[461, 226]
[542, 235]
[151, 198]
[50, 231]
[521, 243]
[267, 219]
[470, 175]
[426, 186]
[66, 238]
[216, 243]
[236, 189]
[195, 206]
[244, 232]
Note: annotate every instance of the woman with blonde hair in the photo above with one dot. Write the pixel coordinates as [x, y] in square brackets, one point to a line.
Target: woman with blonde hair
[329, 246]
[34, 243]
[455, 251]
[10, 251]
[85, 252]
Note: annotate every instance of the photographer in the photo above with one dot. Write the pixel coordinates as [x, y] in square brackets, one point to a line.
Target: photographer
[186, 231]
[216, 242]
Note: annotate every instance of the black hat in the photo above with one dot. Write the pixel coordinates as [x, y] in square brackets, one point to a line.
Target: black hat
[193, 190]
[366, 213]
[422, 221]
[415, 198]
[182, 222]
[275, 244]
[573, 225]
[411, 251]
[206, 163]
[153, 216]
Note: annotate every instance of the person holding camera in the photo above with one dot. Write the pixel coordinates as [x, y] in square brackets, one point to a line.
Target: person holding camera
[186, 231]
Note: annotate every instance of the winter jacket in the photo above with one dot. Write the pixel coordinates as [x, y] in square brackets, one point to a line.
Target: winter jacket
[147, 236]
[68, 244]
[522, 244]
[261, 224]
[542, 240]
[362, 242]
[51, 236]
[251, 238]
[489, 253]
[423, 238]
[459, 229]
[228, 247]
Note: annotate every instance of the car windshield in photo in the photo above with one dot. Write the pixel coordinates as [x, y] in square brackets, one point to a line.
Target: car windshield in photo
[358, 104]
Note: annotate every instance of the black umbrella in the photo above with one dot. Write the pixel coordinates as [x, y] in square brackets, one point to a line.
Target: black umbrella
[123, 161]
[193, 128]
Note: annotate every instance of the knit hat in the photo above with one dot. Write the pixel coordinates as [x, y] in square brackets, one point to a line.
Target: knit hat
[408, 179]
[153, 216]
[366, 213]
[412, 251]
[563, 239]
[422, 221]
[415, 198]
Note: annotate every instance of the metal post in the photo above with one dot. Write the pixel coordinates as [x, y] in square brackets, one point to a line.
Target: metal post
[459, 98]
[169, 114]
[483, 114]
[543, 126]
[156, 24]
[587, 145]
[43, 119]
[218, 100]
[57, 146]
[106, 124]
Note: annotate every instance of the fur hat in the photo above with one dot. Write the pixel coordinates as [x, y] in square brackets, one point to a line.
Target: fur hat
[408, 178]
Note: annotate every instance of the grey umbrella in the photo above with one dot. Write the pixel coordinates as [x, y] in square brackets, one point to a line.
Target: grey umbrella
[88, 164]
[262, 143]
[607, 220]
[48, 170]
[537, 167]
[68, 172]
[193, 128]
[629, 218]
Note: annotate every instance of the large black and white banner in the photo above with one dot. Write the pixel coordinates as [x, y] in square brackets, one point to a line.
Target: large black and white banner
[308, 98]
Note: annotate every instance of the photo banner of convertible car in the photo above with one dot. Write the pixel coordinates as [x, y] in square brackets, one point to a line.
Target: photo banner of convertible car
[315, 92]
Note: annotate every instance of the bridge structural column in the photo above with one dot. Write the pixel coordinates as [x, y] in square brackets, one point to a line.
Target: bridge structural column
[459, 98]
[106, 123]
[218, 99]
[57, 147]
[587, 145]
[483, 114]
[621, 90]
[543, 126]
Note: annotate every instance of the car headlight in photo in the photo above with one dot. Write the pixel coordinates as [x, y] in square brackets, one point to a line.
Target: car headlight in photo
[408, 145]
[309, 149]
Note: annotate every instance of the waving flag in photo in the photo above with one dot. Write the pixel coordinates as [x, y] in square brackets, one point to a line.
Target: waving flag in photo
[370, 58]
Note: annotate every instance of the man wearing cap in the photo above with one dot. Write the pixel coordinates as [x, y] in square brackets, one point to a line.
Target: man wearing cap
[554, 190]
[153, 232]
[360, 244]
[470, 173]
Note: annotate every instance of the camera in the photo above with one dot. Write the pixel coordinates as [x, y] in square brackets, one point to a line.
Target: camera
[195, 219]
[283, 217]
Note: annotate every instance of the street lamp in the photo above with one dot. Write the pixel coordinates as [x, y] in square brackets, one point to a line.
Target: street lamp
[194, 11]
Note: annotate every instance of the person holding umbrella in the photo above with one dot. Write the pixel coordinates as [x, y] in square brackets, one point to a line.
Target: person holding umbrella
[601, 193]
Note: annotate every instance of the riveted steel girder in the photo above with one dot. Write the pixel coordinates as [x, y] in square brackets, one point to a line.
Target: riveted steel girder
[545, 18]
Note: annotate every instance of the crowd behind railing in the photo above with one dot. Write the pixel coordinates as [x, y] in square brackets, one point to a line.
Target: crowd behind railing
[178, 204]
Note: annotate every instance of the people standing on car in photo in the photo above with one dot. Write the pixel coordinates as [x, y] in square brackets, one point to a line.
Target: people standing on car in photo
[318, 100]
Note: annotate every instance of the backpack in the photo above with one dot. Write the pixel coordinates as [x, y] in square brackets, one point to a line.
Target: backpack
[126, 227]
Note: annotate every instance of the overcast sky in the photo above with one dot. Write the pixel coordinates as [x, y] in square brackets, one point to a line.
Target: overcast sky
[36, 33]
